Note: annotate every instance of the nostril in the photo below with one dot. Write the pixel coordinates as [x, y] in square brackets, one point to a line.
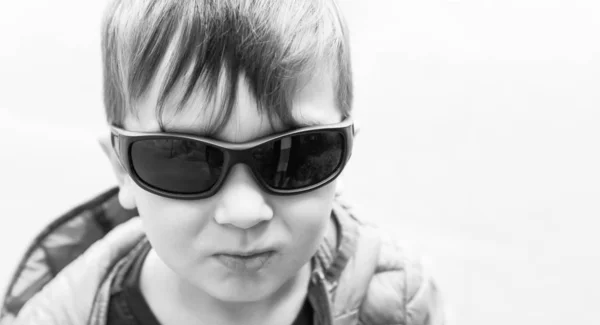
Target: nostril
[267, 211]
[219, 216]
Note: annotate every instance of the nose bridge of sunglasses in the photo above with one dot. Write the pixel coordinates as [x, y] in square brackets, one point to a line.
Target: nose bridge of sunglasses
[274, 155]
[241, 178]
[275, 147]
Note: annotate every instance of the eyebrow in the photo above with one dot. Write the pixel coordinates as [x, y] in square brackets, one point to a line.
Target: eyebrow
[287, 127]
[297, 124]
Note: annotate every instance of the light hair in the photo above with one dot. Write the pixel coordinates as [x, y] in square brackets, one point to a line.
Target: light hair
[210, 44]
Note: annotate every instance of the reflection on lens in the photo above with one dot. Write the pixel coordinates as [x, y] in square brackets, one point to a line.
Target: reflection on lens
[301, 160]
[176, 165]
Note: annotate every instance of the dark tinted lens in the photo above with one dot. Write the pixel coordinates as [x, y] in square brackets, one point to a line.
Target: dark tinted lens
[301, 160]
[177, 165]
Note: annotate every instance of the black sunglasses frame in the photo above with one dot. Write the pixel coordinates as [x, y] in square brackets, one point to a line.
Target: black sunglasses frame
[234, 153]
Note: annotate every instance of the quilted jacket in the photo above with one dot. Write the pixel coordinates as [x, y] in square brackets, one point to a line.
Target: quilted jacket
[360, 275]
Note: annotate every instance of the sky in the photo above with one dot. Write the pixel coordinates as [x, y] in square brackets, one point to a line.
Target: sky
[478, 146]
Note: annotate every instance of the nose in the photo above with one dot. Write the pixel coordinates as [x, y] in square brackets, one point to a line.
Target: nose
[242, 203]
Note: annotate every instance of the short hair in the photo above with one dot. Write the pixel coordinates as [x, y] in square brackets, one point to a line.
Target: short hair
[274, 44]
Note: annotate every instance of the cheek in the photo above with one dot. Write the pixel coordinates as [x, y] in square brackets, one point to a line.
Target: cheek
[307, 216]
[172, 226]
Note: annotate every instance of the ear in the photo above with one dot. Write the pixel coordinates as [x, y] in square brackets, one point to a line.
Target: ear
[356, 128]
[126, 197]
[339, 185]
[125, 182]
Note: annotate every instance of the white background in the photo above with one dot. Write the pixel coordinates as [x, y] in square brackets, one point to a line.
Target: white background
[479, 143]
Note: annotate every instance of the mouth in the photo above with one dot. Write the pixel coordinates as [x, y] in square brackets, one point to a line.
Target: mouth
[245, 261]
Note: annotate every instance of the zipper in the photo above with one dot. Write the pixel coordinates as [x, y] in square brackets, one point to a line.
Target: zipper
[319, 299]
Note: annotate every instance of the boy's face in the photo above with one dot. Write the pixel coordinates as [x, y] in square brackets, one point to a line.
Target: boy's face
[191, 236]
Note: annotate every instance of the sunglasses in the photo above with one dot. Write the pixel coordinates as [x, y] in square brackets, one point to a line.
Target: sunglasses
[183, 166]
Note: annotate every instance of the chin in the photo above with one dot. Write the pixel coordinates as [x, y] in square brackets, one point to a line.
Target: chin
[236, 292]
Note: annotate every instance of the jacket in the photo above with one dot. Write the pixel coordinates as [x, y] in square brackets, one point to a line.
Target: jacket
[360, 275]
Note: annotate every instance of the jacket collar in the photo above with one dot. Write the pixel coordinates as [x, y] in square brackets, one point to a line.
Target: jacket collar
[338, 245]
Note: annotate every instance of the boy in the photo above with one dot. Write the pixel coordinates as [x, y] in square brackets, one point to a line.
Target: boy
[230, 121]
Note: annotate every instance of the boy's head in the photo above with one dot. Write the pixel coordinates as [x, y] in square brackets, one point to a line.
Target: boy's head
[232, 71]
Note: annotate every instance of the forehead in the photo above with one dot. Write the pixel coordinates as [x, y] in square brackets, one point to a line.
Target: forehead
[313, 104]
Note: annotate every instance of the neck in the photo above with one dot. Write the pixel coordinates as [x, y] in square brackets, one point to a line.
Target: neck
[175, 301]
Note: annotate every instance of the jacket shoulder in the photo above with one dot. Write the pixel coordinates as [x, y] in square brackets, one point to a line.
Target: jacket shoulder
[401, 290]
[60, 243]
[69, 297]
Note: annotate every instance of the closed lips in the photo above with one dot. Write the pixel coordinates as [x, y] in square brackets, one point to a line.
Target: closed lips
[248, 254]
[245, 262]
